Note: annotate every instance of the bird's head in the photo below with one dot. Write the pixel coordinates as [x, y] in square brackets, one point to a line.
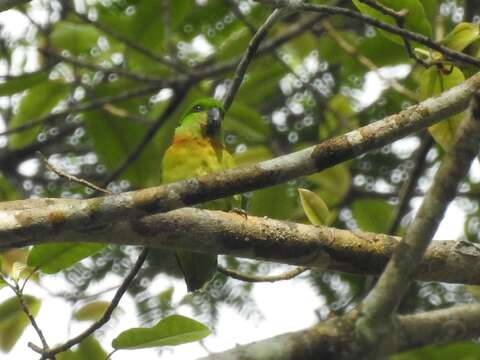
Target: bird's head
[208, 112]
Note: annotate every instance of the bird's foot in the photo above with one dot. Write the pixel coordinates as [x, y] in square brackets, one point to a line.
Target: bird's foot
[240, 212]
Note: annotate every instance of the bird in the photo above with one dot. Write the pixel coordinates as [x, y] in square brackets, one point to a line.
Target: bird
[198, 149]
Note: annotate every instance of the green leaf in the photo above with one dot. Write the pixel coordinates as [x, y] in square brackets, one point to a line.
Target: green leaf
[253, 154]
[461, 36]
[123, 137]
[73, 37]
[246, 123]
[52, 258]
[433, 82]
[17, 269]
[91, 311]
[416, 19]
[332, 184]
[7, 190]
[462, 350]
[265, 202]
[372, 214]
[173, 330]
[88, 349]
[314, 207]
[2, 281]
[339, 118]
[20, 83]
[38, 101]
[13, 320]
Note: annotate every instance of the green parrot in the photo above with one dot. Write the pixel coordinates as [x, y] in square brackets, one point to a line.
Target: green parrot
[198, 149]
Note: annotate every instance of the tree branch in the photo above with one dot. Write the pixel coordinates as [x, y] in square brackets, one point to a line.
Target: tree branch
[298, 5]
[257, 238]
[249, 54]
[101, 212]
[106, 315]
[287, 275]
[335, 337]
[85, 106]
[407, 190]
[384, 299]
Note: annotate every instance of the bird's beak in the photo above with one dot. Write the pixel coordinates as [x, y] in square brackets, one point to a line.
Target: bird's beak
[214, 120]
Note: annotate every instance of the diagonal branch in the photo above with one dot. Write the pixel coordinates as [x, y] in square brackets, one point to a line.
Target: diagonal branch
[85, 106]
[130, 43]
[384, 299]
[50, 353]
[335, 337]
[249, 54]
[399, 17]
[408, 188]
[297, 5]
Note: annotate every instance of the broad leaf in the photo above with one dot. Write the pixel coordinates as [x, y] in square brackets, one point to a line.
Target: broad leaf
[7, 190]
[314, 207]
[265, 202]
[253, 154]
[123, 137]
[21, 83]
[433, 82]
[246, 123]
[462, 350]
[461, 36]
[39, 101]
[91, 311]
[74, 37]
[372, 214]
[88, 349]
[13, 320]
[332, 184]
[173, 330]
[52, 258]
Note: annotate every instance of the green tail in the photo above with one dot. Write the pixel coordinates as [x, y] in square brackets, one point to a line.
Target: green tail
[197, 268]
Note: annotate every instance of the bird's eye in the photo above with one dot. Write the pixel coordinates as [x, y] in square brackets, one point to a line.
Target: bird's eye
[197, 108]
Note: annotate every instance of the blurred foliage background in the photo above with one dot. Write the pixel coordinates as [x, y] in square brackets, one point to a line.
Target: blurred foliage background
[98, 87]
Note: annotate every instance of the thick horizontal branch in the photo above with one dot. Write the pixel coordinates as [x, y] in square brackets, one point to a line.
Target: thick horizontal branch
[285, 242]
[100, 212]
[336, 339]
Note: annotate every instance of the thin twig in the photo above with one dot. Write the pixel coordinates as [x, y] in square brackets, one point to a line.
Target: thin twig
[382, 302]
[108, 312]
[71, 178]
[113, 70]
[287, 275]
[412, 36]
[18, 292]
[399, 17]
[276, 56]
[350, 49]
[249, 54]
[130, 43]
[28, 278]
[408, 188]
[88, 105]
